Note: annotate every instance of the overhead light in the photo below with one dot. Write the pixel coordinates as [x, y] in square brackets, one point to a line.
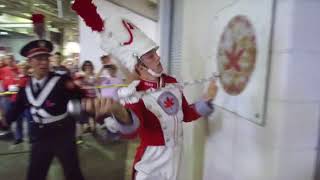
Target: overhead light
[53, 29]
[153, 1]
[6, 18]
[16, 25]
[71, 47]
[2, 6]
[27, 14]
[3, 33]
[40, 4]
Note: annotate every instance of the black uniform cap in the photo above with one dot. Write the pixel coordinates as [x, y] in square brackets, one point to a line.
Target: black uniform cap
[36, 47]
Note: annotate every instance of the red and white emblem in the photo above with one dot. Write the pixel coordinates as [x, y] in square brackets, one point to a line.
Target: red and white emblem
[237, 55]
[169, 103]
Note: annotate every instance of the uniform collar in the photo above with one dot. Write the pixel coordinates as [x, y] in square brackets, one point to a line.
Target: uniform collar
[39, 81]
[146, 84]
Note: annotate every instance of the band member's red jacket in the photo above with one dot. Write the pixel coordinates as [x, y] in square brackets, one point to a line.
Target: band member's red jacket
[161, 114]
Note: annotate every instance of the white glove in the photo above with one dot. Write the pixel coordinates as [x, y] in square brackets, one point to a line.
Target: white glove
[128, 95]
[111, 124]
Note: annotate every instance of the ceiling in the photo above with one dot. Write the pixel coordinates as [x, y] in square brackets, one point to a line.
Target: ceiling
[15, 15]
[146, 8]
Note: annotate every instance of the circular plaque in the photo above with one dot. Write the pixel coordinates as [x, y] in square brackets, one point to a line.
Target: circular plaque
[237, 55]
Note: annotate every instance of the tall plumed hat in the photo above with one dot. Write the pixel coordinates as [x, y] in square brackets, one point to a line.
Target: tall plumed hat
[119, 36]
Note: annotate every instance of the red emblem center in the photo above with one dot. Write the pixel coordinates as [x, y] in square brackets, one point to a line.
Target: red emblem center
[233, 57]
[168, 102]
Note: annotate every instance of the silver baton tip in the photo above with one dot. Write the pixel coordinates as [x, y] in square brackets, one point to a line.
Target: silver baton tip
[74, 108]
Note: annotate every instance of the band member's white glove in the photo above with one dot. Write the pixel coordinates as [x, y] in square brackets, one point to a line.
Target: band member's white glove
[128, 94]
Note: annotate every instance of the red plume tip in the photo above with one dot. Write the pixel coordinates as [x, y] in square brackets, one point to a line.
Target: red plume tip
[38, 25]
[37, 18]
[88, 11]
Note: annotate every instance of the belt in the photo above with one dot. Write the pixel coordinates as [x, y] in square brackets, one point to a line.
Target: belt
[49, 120]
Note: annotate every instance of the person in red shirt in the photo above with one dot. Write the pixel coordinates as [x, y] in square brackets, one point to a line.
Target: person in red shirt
[9, 76]
[9, 80]
[2, 98]
[1, 62]
[21, 82]
[9, 73]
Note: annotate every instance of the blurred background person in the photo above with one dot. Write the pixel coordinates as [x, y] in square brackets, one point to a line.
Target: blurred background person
[21, 81]
[89, 80]
[56, 63]
[1, 62]
[107, 76]
[71, 65]
[9, 80]
[86, 79]
[2, 98]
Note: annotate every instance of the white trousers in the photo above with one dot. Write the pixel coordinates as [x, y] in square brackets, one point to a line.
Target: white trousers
[159, 163]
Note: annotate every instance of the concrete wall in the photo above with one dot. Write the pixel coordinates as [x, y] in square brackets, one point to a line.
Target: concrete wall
[230, 148]
[90, 42]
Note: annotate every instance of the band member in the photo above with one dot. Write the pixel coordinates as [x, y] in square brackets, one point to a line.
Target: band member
[53, 131]
[46, 96]
[160, 112]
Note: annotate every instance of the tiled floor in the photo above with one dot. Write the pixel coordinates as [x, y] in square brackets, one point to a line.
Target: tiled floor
[99, 161]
